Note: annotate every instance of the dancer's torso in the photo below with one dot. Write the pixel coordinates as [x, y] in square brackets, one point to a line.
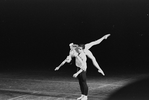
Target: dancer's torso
[83, 58]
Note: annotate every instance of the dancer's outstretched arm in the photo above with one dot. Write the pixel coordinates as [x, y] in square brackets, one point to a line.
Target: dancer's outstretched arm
[90, 55]
[89, 45]
[68, 59]
[72, 53]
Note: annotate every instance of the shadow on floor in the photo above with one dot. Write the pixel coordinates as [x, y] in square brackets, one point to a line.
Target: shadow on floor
[138, 90]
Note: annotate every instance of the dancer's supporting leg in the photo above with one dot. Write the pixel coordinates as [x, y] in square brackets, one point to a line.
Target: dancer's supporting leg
[83, 85]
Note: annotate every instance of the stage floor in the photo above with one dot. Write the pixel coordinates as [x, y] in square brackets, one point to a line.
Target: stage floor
[15, 87]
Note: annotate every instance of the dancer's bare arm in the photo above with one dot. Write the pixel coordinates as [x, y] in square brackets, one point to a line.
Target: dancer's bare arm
[89, 45]
[90, 55]
[68, 60]
[77, 73]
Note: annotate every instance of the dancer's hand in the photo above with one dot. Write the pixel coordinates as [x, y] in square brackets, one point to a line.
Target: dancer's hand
[100, 71]
[75, 75]
[57, 68]
[106, 36]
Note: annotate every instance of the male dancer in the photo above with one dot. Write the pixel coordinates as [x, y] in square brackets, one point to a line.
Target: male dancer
[80, 53]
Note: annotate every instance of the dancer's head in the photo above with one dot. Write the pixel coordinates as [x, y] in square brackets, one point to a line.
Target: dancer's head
[82, 46]
[77, 48]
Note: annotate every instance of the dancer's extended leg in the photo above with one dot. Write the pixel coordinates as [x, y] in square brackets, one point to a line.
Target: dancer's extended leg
[89, 45]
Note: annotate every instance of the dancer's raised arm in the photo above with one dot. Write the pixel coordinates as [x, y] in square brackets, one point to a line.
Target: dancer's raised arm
[89, 45]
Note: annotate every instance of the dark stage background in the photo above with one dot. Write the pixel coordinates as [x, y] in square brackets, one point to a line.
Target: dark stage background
[35, 34]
